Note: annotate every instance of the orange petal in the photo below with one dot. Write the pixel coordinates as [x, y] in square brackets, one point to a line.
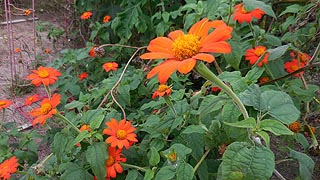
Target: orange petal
[216, 47]
[187, 65]
[199, 28]
[156, 55]
[221, 33]
[217, 23]
[204, 57]
[161, 44]
[164, 70]
[175, 34]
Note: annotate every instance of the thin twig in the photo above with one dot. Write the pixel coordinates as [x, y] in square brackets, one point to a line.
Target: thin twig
[120, 78]
[201, 160]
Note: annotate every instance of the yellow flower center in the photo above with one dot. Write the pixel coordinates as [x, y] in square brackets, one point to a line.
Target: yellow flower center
[109, 65]
[45, 108]
[121, 134]
[110, 161]
[30, 98]
[173, 157]
[243, 10]
[259, 51]
[186, 46]
[294, 67]
[43, 73]
[2, 103]
[163, 88]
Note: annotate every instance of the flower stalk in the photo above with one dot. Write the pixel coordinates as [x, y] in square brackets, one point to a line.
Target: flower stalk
[204, 71]
[133, 166]
[58, 115]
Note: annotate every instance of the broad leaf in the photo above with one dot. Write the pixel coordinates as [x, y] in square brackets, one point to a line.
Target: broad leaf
[184, 172]
[81, 136]
[244, 161]
[306, 164]
[247, 123]
[97, 155]
[148, 175]
[253, 4]
[154, 157]
[276, 127]
[277, 52]
[165, 173]
[74, 172]
[195, 129]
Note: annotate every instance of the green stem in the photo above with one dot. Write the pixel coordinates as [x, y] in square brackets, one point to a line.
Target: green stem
[253, 35]
[169, 103]
[3, 116]
[48, 91]
[58, 115]
[209, 75]
[133, 166]
[271, 75]
[200, 161]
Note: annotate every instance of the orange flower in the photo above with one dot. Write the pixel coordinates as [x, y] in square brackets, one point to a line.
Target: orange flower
[252, 55]
[5, 103]
[215, 89]
[17, 50]
[110, 66]
[8, 167]
[303, 57]
[113, 162]
[294, 65]
[106, 19]
[295, 127]
[242, 15]
[47, 51]
[85, 127]
[44, 75]
[46, 110]
[92, 52]
[181, 51]
[161, 91]
[31, 99]
[264, 79]
[27, 12]
[86, 15]
[83, 75]
[120, 134]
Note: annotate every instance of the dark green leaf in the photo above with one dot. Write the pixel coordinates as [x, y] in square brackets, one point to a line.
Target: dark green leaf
[247, 123]
[265, 136]
[276, 127]
[165, 173]
[148, 175]
[81, 136]
[154, 156]
[306, 164]
[253, 4]
[253, 75]
[277, 52]
[184, 172]
[74, 172]
[97, 155]
[195, 129]
[132, 175]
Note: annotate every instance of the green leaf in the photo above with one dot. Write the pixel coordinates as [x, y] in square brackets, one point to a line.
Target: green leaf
[195, 129]
[230, 113]
[254, 74]
[306, 164]
[211, 103]
[132, 175]
[234, 58]
[280, 106]
[253, 4]
[75, 172]
[165, 173]
[184, 172]
[97, 155]
[252, 97]
[300, 138]
[247, 123]
[61, 143]
[276, 127]
[265, 136]
[181, 150]
[244, 161]
[74, 104]
[277, 52]
[94, 118]
[154, 157]
[295, 8]
[81, 136]
[148, 175]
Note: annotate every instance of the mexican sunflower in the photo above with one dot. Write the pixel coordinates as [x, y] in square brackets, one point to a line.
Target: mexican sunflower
[86, 15]
[113, 162]
[294, 65]
[46, 110]
[83, 75]
[8, 167]
[31, 99]
[242, 15]
[106, 19]
[120, 134]
[5, 103]
[302, 57]
[27, 12]
[264, 79]
[161, 91]
[181, 51]
[110, 66]
[253, 54]
[44, 75]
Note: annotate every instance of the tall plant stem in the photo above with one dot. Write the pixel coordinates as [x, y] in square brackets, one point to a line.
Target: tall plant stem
[58, 115]
[209, 75]
[201, 160]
